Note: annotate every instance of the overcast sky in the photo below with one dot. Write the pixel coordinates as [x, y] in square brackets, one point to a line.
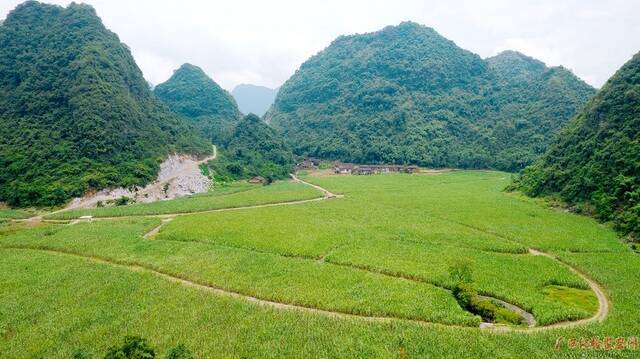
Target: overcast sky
[264, 42]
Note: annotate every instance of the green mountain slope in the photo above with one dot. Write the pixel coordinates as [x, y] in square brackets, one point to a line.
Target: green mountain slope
[595, 162]
[192, 94]
[253, 149]
[530, 103]
[75, 111]
[405, 94]
[254, 99]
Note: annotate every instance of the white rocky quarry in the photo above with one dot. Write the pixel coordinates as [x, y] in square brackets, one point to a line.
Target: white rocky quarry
[179, 176]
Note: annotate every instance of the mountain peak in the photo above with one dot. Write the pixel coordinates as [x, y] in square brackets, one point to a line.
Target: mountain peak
[191, 93]
[513, 63]
[76, 109]
[191, 68]
[598, 153]
[389, 96]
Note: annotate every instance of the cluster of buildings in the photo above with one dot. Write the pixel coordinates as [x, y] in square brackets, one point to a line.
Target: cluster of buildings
[348, 168]
[312, 163]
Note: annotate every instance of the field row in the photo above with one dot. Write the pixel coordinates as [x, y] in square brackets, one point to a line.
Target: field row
[369, 267]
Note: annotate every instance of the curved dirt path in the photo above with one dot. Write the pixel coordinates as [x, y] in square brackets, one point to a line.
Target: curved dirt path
[326, 194]
[152, 233]
[287, 306]
[226, 292]
[601, 314]
[603, 301]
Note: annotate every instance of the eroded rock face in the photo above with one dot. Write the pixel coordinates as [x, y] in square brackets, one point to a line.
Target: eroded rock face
[179, 176]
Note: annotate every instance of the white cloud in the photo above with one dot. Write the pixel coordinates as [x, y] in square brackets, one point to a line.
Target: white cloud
[264, 42]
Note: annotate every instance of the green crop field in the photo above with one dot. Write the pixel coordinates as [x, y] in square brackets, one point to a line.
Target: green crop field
[366, 274]
[6, 214]
[230, 196]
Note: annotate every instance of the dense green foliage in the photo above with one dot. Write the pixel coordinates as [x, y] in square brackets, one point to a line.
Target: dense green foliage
[131, 348]
[529, 105]
[467, 296]
[75, 111]
[134, 347]
[254, 99]
[595, 161]
[407, 95]
[192, 94]
[253, 149]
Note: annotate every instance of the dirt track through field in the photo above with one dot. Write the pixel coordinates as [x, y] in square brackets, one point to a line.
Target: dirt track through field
[601, 314]
[325, 195]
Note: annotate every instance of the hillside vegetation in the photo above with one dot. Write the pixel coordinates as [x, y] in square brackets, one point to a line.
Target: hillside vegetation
[248, 146]
[407, 95]
[253, 149]
[75, 111]
[194, 95]
[594, 163]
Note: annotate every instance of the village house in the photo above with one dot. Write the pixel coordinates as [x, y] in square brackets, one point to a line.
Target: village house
[343, 168]
[309, 163]
[375, 169]
[257, 179]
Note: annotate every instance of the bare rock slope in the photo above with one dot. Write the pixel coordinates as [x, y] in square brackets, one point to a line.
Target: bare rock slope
[179, 176]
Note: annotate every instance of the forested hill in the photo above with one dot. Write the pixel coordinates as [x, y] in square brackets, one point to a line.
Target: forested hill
[253, 149]
[530, 103]
[406, 94]
[194, 95]
[75, 111]
[594, 163]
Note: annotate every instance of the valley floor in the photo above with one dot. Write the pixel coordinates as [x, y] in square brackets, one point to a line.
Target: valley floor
[365, 273]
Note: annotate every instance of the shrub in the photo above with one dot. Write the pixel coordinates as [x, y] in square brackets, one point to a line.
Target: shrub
[123, 201]
[460, 272]
[180, 352]
[465, 293]
[132, 348]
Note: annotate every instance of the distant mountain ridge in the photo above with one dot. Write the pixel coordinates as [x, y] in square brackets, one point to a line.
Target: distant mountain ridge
[254, 99]
[191, 93]
[75, 111]
[407, 95]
